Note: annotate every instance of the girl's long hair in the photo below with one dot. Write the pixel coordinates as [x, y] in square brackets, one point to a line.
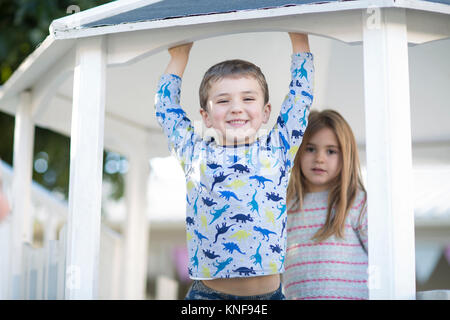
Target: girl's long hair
[344, 188]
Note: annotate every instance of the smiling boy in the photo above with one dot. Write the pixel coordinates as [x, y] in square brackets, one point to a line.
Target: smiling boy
[236, 182]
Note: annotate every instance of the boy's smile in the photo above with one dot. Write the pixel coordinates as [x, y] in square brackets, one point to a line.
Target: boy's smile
[236, 109]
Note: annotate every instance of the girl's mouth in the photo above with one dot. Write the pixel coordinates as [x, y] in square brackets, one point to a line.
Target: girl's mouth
[318, 170]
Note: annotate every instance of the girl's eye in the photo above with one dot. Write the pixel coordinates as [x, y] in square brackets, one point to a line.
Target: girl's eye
[309, 149]
[332, 151]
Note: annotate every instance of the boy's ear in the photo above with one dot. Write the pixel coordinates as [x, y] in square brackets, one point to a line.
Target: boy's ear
[266, 112]
[206, 118]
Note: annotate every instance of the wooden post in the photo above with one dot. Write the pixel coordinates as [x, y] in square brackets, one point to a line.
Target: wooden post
[21, 227]
[389, 159]
[86, 168]
[137, 228]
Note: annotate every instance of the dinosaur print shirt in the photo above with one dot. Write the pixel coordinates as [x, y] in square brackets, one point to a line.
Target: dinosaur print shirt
[236, 195]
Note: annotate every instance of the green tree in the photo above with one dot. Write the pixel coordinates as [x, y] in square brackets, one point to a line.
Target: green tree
[23, 26]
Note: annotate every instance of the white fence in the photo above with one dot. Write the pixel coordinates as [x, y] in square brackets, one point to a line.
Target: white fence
[43, 273]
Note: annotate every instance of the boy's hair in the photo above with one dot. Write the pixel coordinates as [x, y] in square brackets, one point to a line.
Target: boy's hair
[231, 68]
[345, 187]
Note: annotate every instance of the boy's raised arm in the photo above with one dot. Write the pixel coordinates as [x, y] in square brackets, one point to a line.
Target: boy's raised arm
[299, 42]
[179, 57]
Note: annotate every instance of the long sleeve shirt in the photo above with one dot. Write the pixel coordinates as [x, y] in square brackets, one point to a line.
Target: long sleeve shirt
[334, 268]
[236, 207]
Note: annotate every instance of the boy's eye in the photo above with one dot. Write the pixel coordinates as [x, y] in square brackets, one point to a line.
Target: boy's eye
[249, 99]
[222, 101]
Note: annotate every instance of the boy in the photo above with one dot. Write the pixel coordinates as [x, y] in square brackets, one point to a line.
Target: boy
[236, 182]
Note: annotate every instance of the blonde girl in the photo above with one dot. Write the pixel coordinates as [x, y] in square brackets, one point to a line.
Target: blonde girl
[326, 254]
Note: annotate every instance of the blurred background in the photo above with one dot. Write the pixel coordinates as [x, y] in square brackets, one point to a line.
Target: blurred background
[24, 25]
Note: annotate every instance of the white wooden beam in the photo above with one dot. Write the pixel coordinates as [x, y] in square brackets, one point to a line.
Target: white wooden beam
[137, 227]
[389, 159]
[86, 158]
[21, 230]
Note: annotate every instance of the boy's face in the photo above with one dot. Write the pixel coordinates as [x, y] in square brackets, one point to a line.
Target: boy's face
[236, 109]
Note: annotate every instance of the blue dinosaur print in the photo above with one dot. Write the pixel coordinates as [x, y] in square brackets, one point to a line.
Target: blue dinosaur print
[195, 259]
[221, 265]
[282, 210]
[210, 255]
[219, 179]
[245, 271]
[209, 202]
[275, 248]
[231, 246]
[265, 232]
[161, 115]
[303, 73]
[213, 165]
[257, 257]
[253, 204]
[285, 116]
[261, 180]
[240, 168]
[200, 236]
[286, 144]
[280, 122]
[298, 84]
[303, 120]
[218, 213]
[284, 226]
[297, 134]
[195, 206]
[221, 230]
[242, 217]
[189, 221]
[282, 174]
[306, 94]
[274, 197]
[228, 194]
[177, 111]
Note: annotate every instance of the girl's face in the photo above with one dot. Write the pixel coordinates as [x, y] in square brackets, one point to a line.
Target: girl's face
[321, 160]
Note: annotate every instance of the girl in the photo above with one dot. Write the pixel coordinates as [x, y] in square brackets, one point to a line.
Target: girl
[326, 254]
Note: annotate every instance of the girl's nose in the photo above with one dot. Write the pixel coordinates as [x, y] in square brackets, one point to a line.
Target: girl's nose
[320, 157]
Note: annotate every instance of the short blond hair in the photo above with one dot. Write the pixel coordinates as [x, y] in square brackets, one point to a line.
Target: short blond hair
[232, 69]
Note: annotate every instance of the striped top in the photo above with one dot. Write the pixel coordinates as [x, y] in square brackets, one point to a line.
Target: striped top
[334, 268]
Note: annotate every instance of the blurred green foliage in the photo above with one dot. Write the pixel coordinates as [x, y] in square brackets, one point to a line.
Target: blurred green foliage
[23, 26]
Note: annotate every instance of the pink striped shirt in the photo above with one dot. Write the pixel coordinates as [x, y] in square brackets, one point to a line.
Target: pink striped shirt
[334, 268]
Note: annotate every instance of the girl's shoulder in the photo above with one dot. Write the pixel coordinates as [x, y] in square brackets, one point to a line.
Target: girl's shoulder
[360, 200]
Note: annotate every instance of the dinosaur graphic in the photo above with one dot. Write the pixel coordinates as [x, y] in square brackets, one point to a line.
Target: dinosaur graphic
[286, 144]
[221, 230]
[297, 134]
[253, 204]
[213, 165]
[218, 213]
[245, 271]
[195, 259]
[228, 194]
[274, 197]
[231, 246]
[282, 174]
[270, 216]
[240, 168]
[303, 119]
[303, 73]
[257, 257]
[275, 248]
[177, 111]
[261, 180]
[210, 255]
[285, 115]
[282, 210]
[241, 234]
[195, 206]
[284, 225]
[236, 184]
[221, 265]
[265, 232]
[306, 94]
[200, 236]
[189, 221]
[242, 217]
[219, 179]
[209, 202]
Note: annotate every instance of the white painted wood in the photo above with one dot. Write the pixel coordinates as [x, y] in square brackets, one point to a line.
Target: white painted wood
[166, 288]
[389, 160]
[427, 26]
[4, 258]
[111, 261]
[60, 32]
[85, 186]
[136, 229]
[21, 230]
[61, 266]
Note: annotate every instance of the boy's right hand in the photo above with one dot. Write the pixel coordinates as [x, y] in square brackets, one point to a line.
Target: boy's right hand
[179, 57]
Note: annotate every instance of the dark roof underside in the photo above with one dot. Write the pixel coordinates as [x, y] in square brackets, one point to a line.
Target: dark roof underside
[168, 9]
